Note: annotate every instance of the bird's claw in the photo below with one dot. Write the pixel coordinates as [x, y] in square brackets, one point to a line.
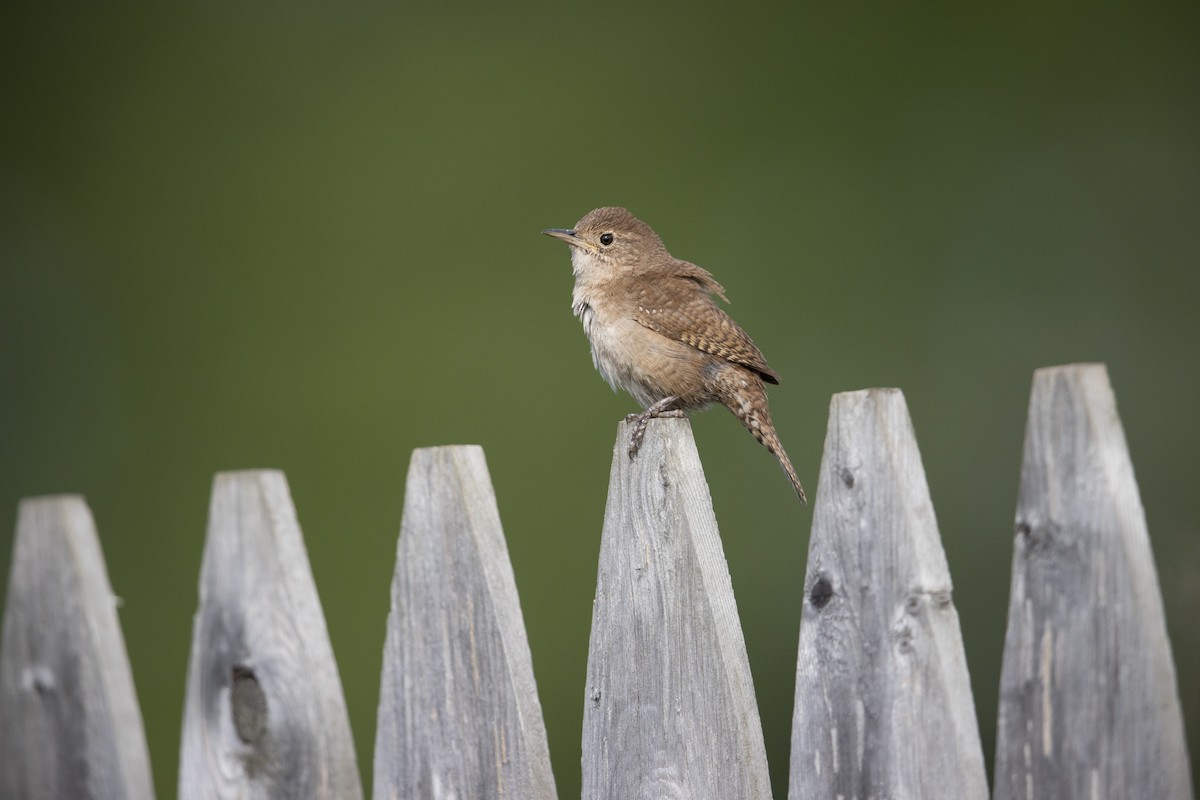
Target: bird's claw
[641, 420]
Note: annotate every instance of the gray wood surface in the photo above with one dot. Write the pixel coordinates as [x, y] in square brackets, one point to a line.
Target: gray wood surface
[70, 726]
[264, 716]
[459, 715]
[883, 705]
[669, 709]
[1088, 700]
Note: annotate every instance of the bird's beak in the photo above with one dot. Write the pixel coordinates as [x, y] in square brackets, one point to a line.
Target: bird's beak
[567, 235]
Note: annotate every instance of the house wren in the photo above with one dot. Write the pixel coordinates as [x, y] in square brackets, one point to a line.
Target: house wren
[655, 331]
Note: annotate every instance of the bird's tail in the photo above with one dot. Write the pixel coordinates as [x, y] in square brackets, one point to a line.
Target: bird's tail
[749, 405]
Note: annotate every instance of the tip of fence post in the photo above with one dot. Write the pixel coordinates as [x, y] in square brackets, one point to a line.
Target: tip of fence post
[659, 430]
[229, 480]
[667, 454]
[44, 500]
[1091, 369]
[449, 449]
[882, 394]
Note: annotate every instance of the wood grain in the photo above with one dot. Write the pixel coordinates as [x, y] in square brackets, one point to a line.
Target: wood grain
[264, 715]
[883, 704]
[459, 715]
[669, 710]
[70, 725]
[1088, 701]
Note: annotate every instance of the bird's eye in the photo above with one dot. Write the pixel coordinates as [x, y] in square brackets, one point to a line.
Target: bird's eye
[606, 239]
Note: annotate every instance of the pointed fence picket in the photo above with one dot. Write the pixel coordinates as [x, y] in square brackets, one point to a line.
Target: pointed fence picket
[1089, 706]
[883, 703]
[265, 715]
[458, 708]
[1088, 700]
[670, 709]
[70, 725]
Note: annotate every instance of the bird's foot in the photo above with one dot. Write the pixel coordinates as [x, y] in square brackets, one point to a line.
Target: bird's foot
[660, 409]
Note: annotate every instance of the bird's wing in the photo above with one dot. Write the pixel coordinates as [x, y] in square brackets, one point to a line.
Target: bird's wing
[677, 305]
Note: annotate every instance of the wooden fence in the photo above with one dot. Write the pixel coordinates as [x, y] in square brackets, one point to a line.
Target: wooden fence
[883, 709]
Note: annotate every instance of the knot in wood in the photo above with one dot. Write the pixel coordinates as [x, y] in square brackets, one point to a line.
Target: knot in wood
[821, 592]
[1038, 536]
[913, 604]
[248, 704]
[847, 477]
[39, 678]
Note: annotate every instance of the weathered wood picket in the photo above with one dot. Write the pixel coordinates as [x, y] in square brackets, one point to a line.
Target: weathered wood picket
[883, 702]
[70, 725]
[264, 708]
[1088, 700]
[458, 708]
[1088, 708]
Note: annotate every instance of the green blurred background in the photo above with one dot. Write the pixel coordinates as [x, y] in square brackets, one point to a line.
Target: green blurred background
[307, 237]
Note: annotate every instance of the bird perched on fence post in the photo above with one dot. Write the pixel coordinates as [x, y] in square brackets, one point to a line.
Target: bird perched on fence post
[656, 332]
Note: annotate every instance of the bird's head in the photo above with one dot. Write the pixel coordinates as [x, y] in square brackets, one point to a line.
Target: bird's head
[610, 242]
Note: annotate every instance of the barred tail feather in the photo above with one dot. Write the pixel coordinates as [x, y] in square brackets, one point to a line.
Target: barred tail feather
[749, 405]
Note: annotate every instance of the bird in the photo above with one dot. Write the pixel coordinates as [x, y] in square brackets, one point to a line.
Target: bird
[655, 330]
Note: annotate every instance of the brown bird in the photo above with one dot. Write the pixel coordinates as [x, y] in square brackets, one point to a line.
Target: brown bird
[656, 332]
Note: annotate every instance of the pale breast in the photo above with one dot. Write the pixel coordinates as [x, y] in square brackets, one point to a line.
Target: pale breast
[634, 358]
